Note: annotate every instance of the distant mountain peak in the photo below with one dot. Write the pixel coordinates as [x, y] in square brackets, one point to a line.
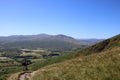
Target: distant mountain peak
[41, 41]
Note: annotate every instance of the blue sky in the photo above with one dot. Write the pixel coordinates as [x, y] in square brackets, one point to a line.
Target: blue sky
[76, 18]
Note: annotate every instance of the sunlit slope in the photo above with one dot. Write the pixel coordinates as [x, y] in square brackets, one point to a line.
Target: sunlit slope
[104, 64]
[107, 44]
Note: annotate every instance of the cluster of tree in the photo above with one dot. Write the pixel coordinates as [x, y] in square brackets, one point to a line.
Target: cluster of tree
[26, 57]
[10, 52]
[50, 55]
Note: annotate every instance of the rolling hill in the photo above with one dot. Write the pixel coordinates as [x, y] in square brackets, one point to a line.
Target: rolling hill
[41, 41]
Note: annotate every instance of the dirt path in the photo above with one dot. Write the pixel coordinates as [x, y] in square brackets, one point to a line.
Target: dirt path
[25, 76]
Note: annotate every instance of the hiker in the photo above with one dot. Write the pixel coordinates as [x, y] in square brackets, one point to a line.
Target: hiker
[24, 64]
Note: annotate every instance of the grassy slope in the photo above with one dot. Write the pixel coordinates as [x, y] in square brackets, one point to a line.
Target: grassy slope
[14, 76]
[99, 47]
[102, 66]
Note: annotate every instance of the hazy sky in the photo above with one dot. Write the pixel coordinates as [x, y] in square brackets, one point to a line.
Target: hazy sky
[76, 18]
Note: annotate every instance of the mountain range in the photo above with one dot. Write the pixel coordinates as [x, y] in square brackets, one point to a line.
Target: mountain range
[40, 41]
[44, 41]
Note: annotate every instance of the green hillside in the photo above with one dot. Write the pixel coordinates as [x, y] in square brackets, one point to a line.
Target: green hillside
[101, 46]
[86, 51]
[102, 65]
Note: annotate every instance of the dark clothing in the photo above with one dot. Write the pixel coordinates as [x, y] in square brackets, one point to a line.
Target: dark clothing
[24, 64]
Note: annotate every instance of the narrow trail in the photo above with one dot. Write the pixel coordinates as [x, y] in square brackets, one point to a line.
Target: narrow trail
[25, 76]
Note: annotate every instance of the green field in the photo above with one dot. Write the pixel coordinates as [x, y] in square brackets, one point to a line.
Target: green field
[11, 58]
